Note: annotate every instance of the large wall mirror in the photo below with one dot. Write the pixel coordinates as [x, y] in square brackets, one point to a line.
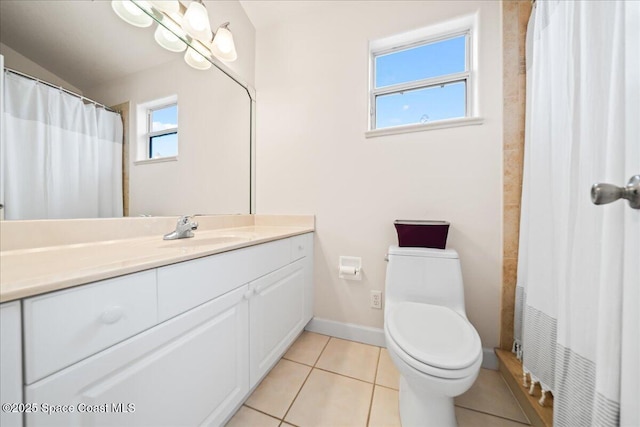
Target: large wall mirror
[85, 48]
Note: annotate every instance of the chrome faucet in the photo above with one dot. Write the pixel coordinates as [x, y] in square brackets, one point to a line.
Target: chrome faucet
[183, 229]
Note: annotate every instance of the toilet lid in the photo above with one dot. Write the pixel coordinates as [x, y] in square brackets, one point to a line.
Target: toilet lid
[434, 335]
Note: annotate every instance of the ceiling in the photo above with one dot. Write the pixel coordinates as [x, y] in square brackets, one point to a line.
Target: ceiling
[82, 42]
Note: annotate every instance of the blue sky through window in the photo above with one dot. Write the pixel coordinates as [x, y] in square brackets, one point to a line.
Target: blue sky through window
[164, 118]
[164, 145]
[426, 104]
[421, 105]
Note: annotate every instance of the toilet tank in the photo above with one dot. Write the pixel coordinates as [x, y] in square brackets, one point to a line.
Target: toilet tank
[431, 276]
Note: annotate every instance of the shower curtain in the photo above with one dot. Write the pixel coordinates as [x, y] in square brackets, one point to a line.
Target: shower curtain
[577, 261]
[61, 158]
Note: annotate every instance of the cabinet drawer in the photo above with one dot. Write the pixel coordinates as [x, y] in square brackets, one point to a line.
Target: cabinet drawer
[301, 246]
[192, 370]
[186, 285]
[64, 327]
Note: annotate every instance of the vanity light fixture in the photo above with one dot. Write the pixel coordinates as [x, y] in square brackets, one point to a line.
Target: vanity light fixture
[196, 22]
[168, 38]
[188, 26]
[132, 14]
[167, 6]
[194, 58]
[222, 45]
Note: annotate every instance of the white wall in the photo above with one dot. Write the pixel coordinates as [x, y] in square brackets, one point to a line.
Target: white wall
[15, 60]
[211, 175]
[312, 156]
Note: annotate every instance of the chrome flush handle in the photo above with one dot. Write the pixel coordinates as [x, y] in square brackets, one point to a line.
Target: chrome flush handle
[601, 194]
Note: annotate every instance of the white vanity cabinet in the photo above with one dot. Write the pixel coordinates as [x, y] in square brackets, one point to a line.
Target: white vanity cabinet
[280, 305]
[181, 345]
[10, 363]
[191, 370]
[276, 312]
[61, 328]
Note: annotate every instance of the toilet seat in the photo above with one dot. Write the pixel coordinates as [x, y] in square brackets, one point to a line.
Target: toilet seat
[434, 339]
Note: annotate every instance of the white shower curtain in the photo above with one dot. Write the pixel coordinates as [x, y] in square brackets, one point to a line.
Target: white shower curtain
[61, 158]
[578, 261]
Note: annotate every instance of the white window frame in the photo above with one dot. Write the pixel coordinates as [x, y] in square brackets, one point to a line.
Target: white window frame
[434, 34]
[151, 135]
[144, 134]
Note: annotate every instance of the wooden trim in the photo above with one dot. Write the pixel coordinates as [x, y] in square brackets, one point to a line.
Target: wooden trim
[123, 109]
[511, 370]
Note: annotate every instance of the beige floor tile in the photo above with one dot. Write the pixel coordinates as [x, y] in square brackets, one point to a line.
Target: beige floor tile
[469, 418]
[350, 358]
[307, 348]
[278, 389]
[491, 394]
[247, 417]
[331, 400]
[384, 408]
[387, 375]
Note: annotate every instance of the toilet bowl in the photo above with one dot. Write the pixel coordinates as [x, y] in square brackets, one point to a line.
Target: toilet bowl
[434, 347]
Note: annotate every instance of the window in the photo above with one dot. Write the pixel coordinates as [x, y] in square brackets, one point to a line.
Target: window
[162, 132]
[420, 79]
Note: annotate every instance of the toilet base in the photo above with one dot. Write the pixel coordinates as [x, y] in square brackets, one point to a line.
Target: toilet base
[419, 408]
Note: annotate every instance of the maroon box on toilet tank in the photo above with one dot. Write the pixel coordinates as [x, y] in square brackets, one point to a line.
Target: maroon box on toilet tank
[422, 234]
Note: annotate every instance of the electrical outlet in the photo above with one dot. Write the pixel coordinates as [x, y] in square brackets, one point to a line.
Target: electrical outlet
[376, 299]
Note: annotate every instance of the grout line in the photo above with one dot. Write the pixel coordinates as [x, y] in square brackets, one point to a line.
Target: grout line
[321, 351]
[296, 361]
[296, 396]
[492, 415]
[343, 375]
[373, 390]
[387, 387]
[303, 383]
[258, 410]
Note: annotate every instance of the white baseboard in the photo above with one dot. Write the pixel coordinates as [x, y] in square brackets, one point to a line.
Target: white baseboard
[374, 336]
[489, 359]
[347, 331]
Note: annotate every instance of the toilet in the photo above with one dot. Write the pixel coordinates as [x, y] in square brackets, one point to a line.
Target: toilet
[432, 344]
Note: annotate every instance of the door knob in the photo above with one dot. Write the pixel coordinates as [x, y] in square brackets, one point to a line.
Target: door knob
[601, 194]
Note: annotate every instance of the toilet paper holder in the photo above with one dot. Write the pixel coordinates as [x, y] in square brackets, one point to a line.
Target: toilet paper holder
[350, 268]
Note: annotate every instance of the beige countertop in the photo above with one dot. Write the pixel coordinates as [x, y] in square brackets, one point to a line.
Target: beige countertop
[31, 271]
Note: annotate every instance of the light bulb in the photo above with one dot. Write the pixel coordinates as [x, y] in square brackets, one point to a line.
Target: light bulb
[223, 46]
[168, 40]
[196, 59]
[224, 40]
[167, 6]
[130, 13]
[196, 22]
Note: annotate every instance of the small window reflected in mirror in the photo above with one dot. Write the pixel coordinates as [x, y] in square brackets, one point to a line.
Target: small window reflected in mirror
[163, 132]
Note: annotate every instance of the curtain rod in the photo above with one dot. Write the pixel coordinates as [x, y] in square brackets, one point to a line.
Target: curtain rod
[77, 95]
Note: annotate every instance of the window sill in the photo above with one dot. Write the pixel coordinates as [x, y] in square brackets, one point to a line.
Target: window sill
[440, 124]
[158, 160]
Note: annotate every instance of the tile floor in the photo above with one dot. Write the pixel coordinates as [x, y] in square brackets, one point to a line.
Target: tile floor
[325, 381]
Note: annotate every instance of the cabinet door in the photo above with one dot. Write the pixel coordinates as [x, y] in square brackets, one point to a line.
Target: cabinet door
[276, 313]
[302, 247]
[10, 362]
[191, 370]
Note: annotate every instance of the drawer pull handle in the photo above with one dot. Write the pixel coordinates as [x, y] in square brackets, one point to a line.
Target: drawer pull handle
[112, 315]
[247, 295]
